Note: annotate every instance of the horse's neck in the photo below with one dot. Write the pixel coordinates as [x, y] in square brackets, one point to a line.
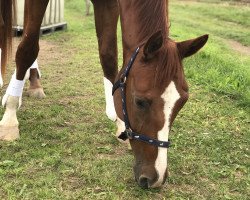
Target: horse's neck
[140, 19]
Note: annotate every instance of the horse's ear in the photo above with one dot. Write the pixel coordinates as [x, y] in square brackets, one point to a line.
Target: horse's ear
[190, 47]
[153, 44]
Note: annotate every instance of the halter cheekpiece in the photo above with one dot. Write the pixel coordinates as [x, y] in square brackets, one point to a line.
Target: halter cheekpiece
[128, 133]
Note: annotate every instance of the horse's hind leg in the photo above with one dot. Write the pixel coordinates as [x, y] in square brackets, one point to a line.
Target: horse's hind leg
[106, 17]
[35, 88]
[26, 54]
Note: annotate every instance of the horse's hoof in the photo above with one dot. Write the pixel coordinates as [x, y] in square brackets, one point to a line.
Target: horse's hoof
[36, 93]
[9, 133]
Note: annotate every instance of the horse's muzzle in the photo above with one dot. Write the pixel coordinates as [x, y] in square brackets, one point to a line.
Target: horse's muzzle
[147, 176]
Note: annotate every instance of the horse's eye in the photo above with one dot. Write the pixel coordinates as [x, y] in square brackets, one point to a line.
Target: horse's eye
[142, 103]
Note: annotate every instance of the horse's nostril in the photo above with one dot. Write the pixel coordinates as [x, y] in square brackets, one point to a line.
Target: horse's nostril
[143, 182]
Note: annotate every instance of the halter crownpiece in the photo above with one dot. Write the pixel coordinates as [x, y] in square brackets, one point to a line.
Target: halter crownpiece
[126, 71]
[128, 133]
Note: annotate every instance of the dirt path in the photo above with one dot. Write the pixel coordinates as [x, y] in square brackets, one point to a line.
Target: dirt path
[239, 47]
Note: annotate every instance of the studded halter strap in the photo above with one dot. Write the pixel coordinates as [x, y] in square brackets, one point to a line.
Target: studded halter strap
[128, 133]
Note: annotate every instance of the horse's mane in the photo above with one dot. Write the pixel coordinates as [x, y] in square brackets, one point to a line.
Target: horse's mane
[152, 16]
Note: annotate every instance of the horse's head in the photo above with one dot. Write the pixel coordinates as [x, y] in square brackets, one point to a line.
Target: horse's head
[156, 90]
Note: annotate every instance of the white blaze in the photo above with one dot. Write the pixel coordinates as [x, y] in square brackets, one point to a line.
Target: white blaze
[170, 97]
[110, 108]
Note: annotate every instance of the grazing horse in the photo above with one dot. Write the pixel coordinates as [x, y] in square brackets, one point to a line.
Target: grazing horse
[149, 90]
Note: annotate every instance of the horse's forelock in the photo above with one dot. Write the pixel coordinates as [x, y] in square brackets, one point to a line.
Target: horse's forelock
[168, 63]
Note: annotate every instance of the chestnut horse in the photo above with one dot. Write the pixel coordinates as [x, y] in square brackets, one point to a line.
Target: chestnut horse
[149, 90]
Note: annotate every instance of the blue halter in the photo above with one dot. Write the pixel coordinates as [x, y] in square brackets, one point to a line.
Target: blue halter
[128, 133]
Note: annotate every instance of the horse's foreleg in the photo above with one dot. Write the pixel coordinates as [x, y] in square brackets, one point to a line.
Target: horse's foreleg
[35, 89]
[12, 100]
[26, 55]
[106, 17]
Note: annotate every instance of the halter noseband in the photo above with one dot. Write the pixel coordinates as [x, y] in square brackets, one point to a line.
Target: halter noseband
[128, 133]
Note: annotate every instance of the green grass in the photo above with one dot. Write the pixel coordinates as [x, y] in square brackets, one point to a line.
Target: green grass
[216, 67]
[68, 149]
[226, 21]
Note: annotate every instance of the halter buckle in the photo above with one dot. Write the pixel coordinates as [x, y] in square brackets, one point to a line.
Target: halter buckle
[123, 80]
[129, 132]
[126, 134]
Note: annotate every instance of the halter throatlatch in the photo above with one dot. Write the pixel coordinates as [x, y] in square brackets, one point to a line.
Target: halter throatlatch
[128, 133]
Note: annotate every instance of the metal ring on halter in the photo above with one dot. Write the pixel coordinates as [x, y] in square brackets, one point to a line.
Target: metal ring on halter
[129, 133]
[123, 80]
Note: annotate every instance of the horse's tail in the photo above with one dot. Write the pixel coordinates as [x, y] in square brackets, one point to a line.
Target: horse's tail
[7, 15]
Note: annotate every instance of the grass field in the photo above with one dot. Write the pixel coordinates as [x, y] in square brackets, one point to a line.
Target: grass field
[68, 149]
